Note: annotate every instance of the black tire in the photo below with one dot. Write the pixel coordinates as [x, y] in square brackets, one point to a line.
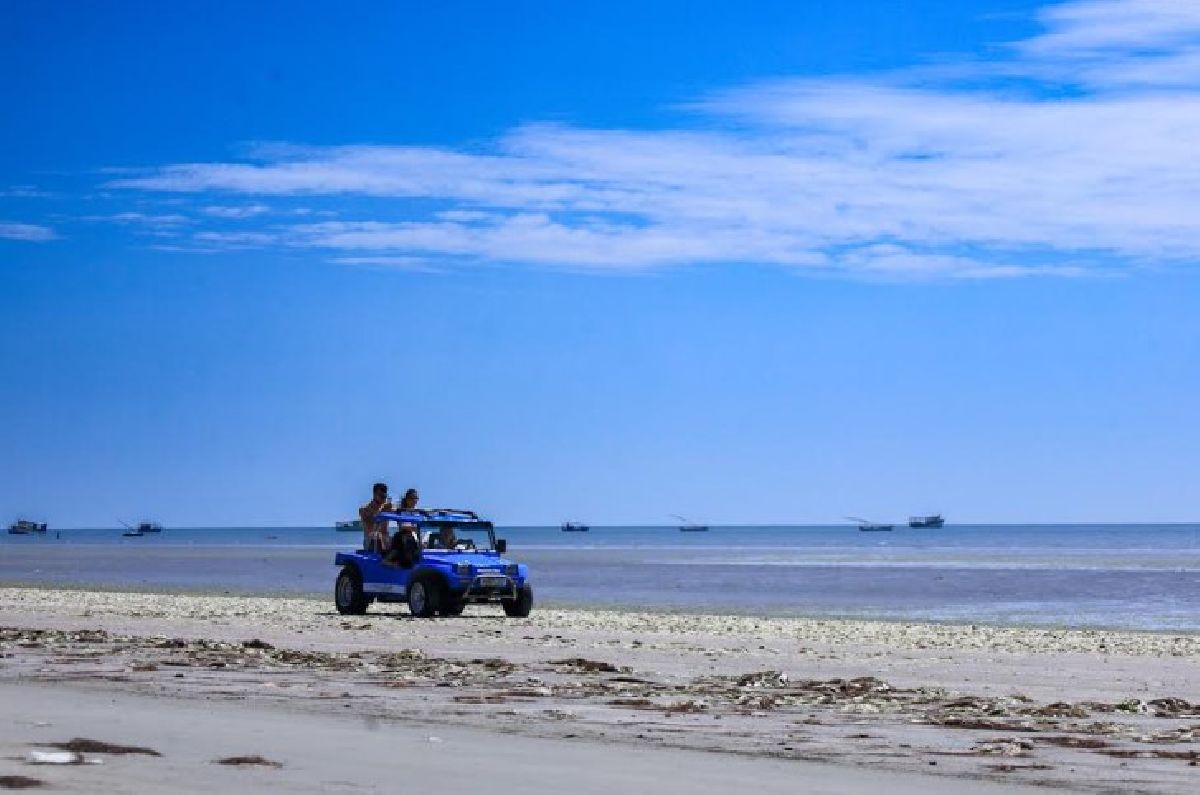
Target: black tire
[348, 594]
[426, 595]
[453, 607]
[519, 607]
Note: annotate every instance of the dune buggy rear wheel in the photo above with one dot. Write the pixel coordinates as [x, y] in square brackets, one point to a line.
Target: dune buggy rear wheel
[519, 607]
[348, 593]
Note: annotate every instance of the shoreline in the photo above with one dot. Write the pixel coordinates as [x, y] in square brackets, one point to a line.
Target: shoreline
[1185, 637]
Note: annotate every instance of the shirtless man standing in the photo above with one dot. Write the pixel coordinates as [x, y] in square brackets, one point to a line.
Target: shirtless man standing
[375, 536]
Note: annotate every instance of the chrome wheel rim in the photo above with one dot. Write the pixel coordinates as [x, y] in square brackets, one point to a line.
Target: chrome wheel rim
[416, 598]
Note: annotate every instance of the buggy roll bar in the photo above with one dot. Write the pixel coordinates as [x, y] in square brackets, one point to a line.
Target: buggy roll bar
[434, 517]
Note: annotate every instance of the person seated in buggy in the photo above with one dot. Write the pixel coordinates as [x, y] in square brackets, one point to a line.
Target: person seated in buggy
[447, 539]
[405, 547]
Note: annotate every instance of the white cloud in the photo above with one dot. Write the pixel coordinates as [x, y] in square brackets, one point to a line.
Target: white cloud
[403, 263]
[895, 174]
[30, 233]
[1094, 27]
[228, 240]
[236, 212]
[1118, 44]
[886, 261]
[142, 219]
[24, 192]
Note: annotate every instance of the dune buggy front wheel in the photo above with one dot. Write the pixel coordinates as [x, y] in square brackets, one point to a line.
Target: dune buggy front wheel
[519, 607]
[425, 596]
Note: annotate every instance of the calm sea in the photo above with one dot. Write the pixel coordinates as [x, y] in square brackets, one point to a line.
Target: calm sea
[1129, 576]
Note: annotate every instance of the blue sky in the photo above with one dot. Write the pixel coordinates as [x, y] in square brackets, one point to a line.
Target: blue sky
[771, 262]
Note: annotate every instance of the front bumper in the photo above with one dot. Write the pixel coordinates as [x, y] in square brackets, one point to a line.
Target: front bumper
[489, 587]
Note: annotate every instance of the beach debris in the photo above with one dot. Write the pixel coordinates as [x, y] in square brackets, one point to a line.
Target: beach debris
[398, 658]
[1068, 741]
[763, 679]
[1186, 756]
[250, 759]
[1184, 734]
[1004, 747]
[59, 758]
[1174, 708]
[633, 703]
[955, 722]
[480, 699]
[255, 643]
[497, 664]
[20, 782]
[1059, 709]
[689, 706]
[584, 665]
[84, 745]
[528, 692]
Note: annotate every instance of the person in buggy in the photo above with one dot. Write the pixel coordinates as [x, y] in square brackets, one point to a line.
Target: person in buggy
[404, 548]
[441, 539]
[375, 538]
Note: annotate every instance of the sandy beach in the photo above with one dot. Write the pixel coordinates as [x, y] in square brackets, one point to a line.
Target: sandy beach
[685, 702]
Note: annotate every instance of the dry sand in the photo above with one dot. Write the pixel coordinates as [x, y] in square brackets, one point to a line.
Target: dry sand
[790, 702]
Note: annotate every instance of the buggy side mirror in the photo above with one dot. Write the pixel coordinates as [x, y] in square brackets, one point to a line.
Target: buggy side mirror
[501, 545]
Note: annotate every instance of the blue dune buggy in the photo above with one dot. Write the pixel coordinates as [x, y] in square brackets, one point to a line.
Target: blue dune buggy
[461, 562]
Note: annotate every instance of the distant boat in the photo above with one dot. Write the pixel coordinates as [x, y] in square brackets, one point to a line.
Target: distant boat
[867, 526]
[933, 520]
[689, 526]
[24, 527]
[574, 527]
[350, 526]
[142, 528]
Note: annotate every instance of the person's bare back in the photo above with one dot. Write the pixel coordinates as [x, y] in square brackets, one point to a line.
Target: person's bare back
[375, 536]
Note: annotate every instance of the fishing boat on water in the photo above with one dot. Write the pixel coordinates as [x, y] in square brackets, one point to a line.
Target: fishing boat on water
[689, 526]
[348, 526]
[574, 527]
[24, 527]
[867, 526]
[141, 529]
[932, 520]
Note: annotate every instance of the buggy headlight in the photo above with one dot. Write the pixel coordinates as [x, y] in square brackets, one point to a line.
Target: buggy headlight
[511, 570]
[462, 569]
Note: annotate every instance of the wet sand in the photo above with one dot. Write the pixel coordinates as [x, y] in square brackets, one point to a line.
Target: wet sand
[278, 750]
[937, 707]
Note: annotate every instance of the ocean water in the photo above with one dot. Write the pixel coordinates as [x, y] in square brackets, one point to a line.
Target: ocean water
[1117, 576]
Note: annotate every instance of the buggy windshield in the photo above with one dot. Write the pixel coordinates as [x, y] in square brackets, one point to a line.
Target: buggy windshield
[459, 538]
[447, 529]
